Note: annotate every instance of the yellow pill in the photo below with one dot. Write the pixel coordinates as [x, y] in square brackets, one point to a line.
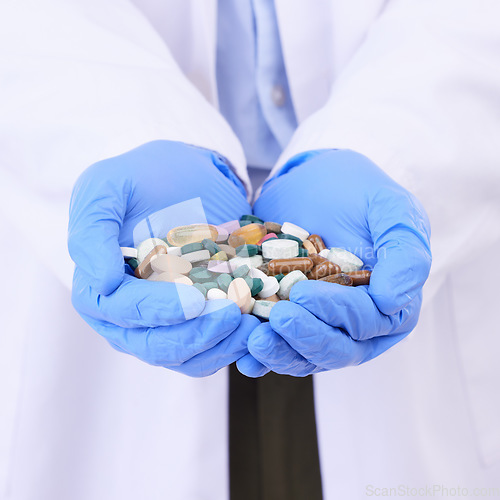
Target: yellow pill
[194, 233]
[251, 234]
[219, 256]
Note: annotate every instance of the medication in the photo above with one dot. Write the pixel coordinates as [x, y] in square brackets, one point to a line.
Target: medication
[194, 233]
[240, 294]
[280, 249]
[347, 261]
[272, 227]
[244, 260]
[251, 234]
[247, 250]
[219, 256]
[215, 293]
[262, 308]
[201, 275]
[171, 264]
[294, 230]
[191, 247]
[268, 236]
[223, 281]
[286, 284]
[283, 266]
[254, 261]
[318, 242]
[219, 266]
[270, 287]
[197, 256]
[339, 279]
[129, 252]
[146, 246]
[360, 277]
[144, 269]
[311, 249]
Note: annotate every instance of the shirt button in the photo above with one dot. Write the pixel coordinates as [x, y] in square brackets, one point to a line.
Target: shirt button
[278, 95]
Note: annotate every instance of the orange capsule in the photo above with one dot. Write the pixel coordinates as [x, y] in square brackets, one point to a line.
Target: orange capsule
[251, 234]
[360, 277]
[284, 266]
[317, 241]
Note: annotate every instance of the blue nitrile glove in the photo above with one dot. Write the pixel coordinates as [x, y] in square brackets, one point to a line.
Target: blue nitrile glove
[351, 203]
[161, 323]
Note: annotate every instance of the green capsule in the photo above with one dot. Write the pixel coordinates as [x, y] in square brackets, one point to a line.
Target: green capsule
[210, 284]
[201, 288]
[241, 271]
[279, 277]
[191, 247]
[257, 286]
[209, 245]
[251, 218]
[224, 280]
[200, 275]
[247, 250]
[245, 222]
[303, 252]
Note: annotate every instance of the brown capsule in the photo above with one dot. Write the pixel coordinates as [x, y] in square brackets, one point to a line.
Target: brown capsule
[360, 277]
[324, 269]
[317, 259]
[317, 241]
[273, 298]
[144, 270]
[283, 266]
[340, 279]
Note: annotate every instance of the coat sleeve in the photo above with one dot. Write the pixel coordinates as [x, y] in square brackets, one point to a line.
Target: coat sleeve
[82, 81]
[421, 98]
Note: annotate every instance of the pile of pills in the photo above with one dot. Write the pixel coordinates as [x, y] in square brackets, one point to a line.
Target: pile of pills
[251, 262]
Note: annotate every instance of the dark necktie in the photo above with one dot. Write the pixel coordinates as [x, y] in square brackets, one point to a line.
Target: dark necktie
[273, 449]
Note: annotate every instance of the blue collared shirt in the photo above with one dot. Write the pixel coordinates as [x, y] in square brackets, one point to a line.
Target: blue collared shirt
[253, 90]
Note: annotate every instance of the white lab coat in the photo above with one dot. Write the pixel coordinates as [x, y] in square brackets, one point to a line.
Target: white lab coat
[412, 84]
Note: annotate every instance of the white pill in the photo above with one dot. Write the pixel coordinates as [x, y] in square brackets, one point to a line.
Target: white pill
[129, 252]
[262, 308]
[240, 293]
[280, 249]
[324, 253]
[254, 261]
[347, 261]
[271, 286]
[215, 293]
[292, 229]
[146, 246]
[174, 251]
[197, 256]
[257, 273]
[171, 264]
[287, 283]
[171, 278]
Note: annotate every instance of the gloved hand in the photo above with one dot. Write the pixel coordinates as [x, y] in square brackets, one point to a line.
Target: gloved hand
[351, 203]
[160, 323]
